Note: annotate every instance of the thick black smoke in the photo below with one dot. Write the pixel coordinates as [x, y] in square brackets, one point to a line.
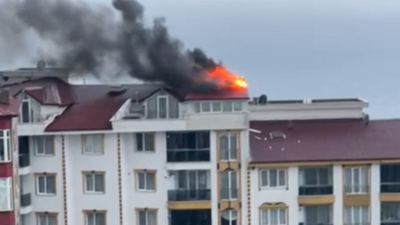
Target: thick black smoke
[89, 39]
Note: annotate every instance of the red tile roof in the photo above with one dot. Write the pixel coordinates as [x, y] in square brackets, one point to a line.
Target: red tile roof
[10, 109]
[334, 140]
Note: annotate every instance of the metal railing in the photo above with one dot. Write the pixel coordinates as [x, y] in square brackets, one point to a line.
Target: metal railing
[229, 193]
[26, 200]
[24, 160]
[189, 195]
[316, 190]
[390, 188]
[187, 155]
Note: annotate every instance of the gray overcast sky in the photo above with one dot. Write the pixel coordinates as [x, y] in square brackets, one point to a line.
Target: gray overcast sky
[297, 48]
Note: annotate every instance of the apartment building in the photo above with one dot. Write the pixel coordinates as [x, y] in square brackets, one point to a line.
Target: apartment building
[323, 166]
[133, 154]
[9, 195]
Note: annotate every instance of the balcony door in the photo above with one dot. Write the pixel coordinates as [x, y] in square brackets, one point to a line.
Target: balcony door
[315, 181]
[229, 185]
[356, 180]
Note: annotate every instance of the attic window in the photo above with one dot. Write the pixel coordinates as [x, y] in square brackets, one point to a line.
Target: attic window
[277, 135]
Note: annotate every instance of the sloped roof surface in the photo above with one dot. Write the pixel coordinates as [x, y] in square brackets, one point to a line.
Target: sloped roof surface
[329, 140]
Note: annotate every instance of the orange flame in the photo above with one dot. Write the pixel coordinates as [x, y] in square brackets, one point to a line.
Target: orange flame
[226, 79]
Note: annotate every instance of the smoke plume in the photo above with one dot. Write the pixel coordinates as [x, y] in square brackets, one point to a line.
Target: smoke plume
[88, 39]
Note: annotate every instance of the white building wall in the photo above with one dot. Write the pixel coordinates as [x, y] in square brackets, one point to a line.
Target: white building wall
[375, 192]
[48, 164]
[338, 192]
[76, 162]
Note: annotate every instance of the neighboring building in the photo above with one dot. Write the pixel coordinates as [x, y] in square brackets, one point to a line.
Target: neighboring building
[134, 154]
[9, 194]
[311, 166]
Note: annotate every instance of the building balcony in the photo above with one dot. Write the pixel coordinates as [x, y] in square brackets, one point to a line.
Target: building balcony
[188, 155]
[189, 195]
[26, 203]
[190, 216]
[390, 188]
[356, 189]
[316, 190]
[24, 164]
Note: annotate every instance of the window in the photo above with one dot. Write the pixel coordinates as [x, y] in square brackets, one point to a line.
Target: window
[316, 176]
[193, 180]
[206, 107]
[318, 214]
[237, 106]
[273, 178]
[92, 144]
[162, 106]
[228, 144]
[390, 212]
[29, 110]
[229, 217]
[216, 107]
[273, 217]
[229, 185]
[5, 194]
[356, 180]
[5, 145]
[226, 106]
[145, 142]
[43, 145]
[94, 182]
[95, 218]
[147, 217]
[46, 184]
[146, 180]
[356, 215]
[47, 219]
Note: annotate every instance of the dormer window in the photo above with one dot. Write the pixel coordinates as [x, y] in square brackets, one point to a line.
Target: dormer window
[277, 135]
[29, 110]
[162, 106]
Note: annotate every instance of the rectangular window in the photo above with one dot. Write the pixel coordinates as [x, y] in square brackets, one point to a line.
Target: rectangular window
[229, 185]
[43, 145]
[228, 146]
[227, 107]
[356, 215]
[147, 217]
[46, 219]
[6, 194]
[46, 184]
[162, 107]
[95, 218]
[145, 142]
[93, 144]
[216, 107]
[29, 110]
[356, 180]
[146, 180]
[316, 176]
[229, 217]
[273, 178]
[205, 107]
[318, 214]
[237, 106]
[5, 146]
[390, 213]
[273, 217]
[94, 182]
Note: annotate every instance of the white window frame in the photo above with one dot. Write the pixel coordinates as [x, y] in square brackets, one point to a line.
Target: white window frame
[229, 134]
[95, 214]
[35, 139]
[144, 147]
[147, 212]
[278, 175]
[358, 170]
[45, 185]
[166, 97]
[93, 151]
[6, 145]
[146, 175]
[231, 215]
[198, 106]
[46, 218]
[93, 176]
[354, 208]
[8, 186]
[279, 211]
[231, 189]
[34, 117]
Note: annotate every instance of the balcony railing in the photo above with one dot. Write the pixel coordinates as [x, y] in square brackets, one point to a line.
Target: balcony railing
[24, 160]
[188, 155]
[390, 223]
[356, 189]
[26, 200]
[229, 193]
[390, 188]
[316, 190]
[189, 195]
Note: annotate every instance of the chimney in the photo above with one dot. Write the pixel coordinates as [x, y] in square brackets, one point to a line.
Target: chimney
[4, 97]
